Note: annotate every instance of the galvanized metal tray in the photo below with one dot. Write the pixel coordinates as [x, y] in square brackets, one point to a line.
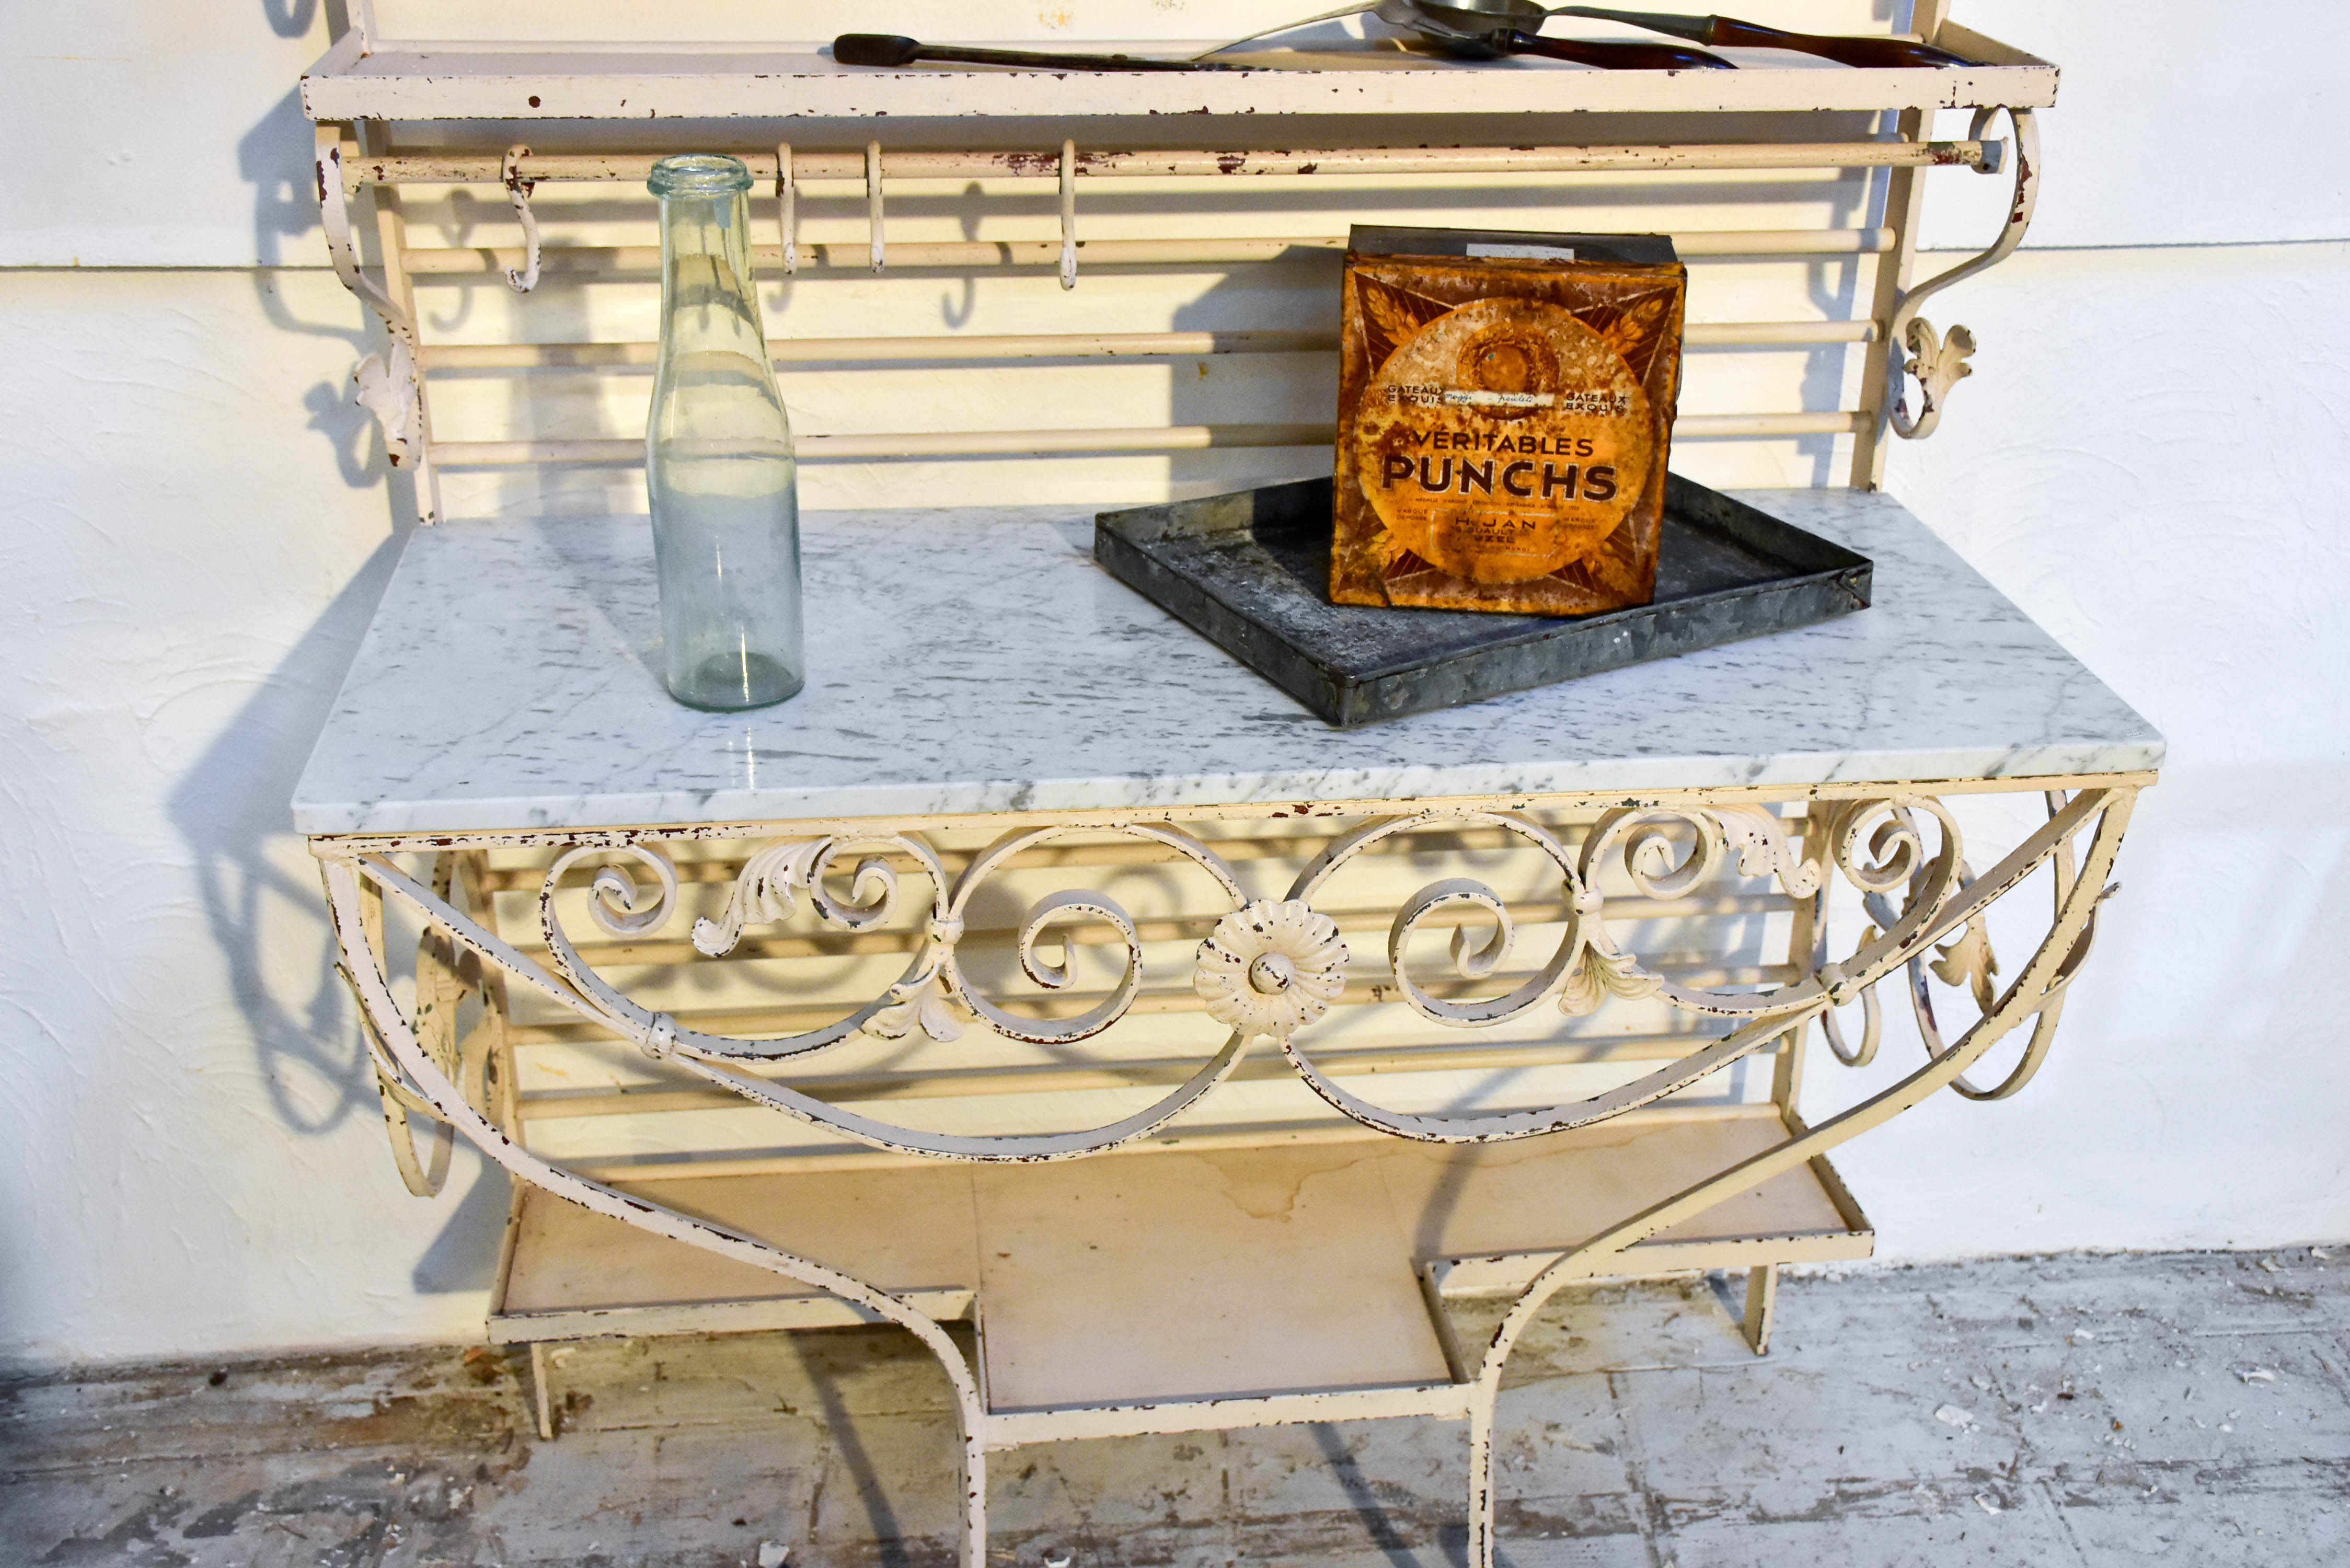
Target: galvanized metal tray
[1251, 572]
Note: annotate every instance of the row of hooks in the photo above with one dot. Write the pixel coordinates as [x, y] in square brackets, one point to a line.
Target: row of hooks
[518, 190]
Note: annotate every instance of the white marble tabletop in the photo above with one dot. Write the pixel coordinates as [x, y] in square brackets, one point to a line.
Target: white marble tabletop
[975, 660]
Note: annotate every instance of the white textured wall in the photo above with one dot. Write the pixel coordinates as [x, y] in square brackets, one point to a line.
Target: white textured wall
[194, 526]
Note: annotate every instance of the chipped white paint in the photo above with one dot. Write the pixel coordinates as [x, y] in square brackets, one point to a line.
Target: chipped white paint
[1878, 845]
[1270, 969]
[1941, 362]
[403, 81]
[518, 188]
[385, 95]
[194, 623]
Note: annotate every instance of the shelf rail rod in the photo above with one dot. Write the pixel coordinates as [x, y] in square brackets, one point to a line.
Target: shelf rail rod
[460, 169]
[485, 261]
[1057, 346]
[1033, 442]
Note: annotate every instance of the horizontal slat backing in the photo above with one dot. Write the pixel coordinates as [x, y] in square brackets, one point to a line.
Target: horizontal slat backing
[590, 1096]
[1169, 247]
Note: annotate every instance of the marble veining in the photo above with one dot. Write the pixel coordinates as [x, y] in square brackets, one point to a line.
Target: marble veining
[975, 660]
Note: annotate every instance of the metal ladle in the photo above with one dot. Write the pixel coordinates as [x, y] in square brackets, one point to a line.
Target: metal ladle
[1720, 32]
[1490, 29]
[1483, 33]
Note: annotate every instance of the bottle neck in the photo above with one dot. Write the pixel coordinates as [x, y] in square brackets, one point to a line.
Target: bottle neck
[707, 300]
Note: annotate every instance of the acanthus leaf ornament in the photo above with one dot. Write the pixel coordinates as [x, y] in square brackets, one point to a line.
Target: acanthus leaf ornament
[385, 387]
[1657, 868]
[1939, 363]
[1967, 961]
[763, 893]
[1598, 972]
[920, 1003]
[924, 999]
[1271, 968]
[1764, 849]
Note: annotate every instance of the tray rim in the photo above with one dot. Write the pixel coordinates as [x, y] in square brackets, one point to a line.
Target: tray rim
[1122, 534]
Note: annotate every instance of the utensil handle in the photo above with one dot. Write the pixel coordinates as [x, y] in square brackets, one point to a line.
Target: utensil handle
[1729, 32]
[1042, 60]
[1616, 57]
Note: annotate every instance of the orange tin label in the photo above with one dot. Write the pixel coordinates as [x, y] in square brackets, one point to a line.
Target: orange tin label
[1502, 433]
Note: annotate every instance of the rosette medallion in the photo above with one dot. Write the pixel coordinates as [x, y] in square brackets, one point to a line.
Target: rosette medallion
[1271, 968]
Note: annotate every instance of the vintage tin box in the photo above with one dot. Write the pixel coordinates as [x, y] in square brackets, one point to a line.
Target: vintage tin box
[1505, 410]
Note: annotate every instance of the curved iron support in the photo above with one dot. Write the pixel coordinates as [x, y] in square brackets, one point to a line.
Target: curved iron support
[433, 1089]
[335, 215]
[2052, 1005]
[2050, 968]
[422, 1174]
[1938, 362]
[1876, 842]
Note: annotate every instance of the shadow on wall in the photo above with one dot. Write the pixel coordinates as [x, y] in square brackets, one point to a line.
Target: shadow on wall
[231, 809]
[275, 157]
[265, 909]
[255, 888]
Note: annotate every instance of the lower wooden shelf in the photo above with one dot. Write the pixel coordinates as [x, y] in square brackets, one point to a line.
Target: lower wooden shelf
[1174, 1274]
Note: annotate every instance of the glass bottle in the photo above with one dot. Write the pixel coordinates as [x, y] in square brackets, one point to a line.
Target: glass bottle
[720, 467]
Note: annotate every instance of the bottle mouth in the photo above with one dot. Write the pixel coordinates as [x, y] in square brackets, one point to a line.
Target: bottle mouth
[699, 174]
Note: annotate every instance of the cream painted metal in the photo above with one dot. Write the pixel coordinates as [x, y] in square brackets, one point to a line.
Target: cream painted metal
[379, 88]
[360, 79]
[1036, 1066]
[1196, 1110]
[1261, 1273]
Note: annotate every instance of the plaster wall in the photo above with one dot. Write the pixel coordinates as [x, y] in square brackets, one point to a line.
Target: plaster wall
[197, 524]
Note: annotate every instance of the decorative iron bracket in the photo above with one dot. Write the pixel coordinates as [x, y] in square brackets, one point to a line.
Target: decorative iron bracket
[391, 385]
[1939, 363]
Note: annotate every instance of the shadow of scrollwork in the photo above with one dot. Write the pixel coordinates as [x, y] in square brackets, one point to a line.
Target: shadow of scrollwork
[255, 879]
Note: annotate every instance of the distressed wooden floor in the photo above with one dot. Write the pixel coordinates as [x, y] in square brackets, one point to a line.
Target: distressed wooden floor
[2191, 1408]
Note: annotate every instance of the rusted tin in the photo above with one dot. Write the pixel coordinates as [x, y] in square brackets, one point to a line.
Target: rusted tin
[1505, 410]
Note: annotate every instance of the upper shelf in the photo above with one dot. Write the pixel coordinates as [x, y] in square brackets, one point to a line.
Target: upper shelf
[427, 81]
